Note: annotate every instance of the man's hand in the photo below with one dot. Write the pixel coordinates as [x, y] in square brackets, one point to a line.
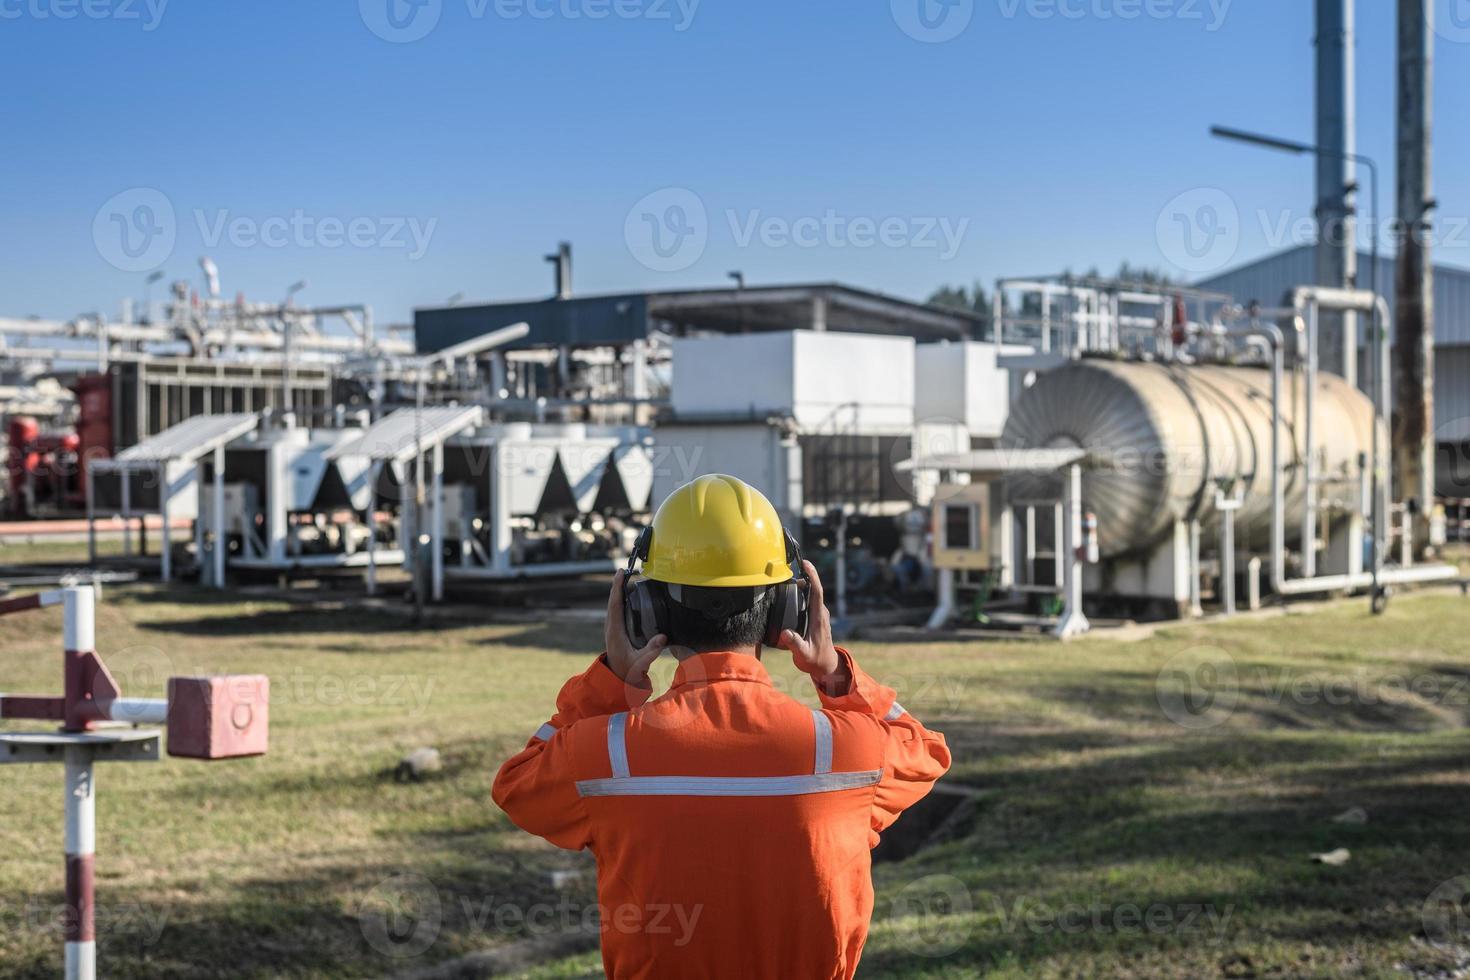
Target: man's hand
[817, 656]
[627, 661]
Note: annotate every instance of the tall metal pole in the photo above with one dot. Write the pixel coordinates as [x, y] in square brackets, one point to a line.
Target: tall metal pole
[1337, 253]
[1413, 417]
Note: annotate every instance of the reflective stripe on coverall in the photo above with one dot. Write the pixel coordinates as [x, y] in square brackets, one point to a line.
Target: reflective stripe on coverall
[732, 825]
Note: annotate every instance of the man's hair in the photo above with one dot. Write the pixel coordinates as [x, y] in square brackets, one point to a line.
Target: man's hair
[702, 634]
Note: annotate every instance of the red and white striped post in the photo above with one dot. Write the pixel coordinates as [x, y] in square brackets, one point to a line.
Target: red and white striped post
[80, 927]
[80, 638]
[208, 718]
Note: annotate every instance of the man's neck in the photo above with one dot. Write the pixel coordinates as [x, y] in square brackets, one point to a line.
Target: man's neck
[682, 654]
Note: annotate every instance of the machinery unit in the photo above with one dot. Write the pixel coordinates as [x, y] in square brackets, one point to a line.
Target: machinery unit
[42, 468]
[818, 421]
[524, 500]
[813, 419]
[292, 503]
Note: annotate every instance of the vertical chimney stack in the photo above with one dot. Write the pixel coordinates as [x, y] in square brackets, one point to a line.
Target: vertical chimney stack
[1337, 249]
[562, 261]
[1413, 373]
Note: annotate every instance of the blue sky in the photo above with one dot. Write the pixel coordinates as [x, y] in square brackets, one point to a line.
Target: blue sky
[820, 141]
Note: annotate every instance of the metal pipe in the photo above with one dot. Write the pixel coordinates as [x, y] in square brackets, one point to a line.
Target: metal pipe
[126, 477]
[1074, 621]
[219, 517]
[1227, 553]
[165, 557]
[944, 610]
[1309, 511]
[1196, 607]
[436, 535]
[374, 469]
[137, 711]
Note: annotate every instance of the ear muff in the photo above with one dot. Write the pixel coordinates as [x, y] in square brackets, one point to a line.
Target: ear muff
[645, 602]
[645, 607]
[645, 611]
[790, 601]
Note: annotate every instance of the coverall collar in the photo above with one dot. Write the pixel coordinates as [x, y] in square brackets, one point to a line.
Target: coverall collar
[705, 668]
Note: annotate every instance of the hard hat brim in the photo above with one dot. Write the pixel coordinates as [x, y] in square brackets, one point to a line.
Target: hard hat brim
[664, 572]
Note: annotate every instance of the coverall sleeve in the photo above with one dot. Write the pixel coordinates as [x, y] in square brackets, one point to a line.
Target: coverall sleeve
[537, 787]
[914, 757]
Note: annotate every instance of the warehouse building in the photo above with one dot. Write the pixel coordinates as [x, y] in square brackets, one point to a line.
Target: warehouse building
[622, 318]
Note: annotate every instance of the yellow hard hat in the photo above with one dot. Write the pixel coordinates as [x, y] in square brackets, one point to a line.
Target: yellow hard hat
[717, 532]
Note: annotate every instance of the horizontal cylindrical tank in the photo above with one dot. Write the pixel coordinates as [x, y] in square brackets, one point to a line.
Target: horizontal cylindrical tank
[1161, 437]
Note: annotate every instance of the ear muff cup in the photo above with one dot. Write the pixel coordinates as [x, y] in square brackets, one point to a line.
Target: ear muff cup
[790, 601]
[645, 610]
[789, 611]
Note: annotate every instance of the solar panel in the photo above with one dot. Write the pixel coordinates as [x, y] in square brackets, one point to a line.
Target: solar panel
[398, 436]
[190, 439]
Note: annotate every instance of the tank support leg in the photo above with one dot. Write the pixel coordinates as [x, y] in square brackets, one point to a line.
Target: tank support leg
[1073, 621]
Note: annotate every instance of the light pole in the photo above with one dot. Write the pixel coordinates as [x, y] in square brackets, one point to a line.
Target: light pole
[1375, 361]
[1292, 146]
[738, 278]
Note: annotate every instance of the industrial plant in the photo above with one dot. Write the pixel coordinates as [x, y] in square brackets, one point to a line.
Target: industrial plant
[660, 489]
[1092, 447]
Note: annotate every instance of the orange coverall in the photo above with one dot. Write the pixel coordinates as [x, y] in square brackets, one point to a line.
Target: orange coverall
[731, 824]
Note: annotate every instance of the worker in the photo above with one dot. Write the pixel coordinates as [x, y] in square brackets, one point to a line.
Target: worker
[732, 824]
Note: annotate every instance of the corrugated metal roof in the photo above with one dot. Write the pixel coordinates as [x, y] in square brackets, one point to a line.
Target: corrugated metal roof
[398, 436]
[190, 439]
[621, 318]
[1269, 278]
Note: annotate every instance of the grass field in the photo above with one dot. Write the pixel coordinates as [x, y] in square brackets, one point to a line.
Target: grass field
[1149, 806]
